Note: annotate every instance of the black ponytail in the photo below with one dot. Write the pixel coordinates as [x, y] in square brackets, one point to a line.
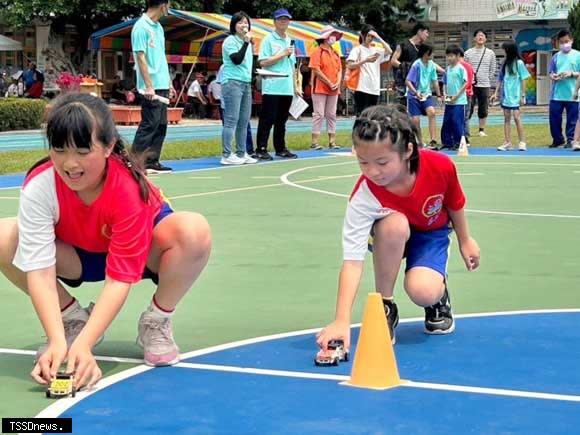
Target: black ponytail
[377, 123]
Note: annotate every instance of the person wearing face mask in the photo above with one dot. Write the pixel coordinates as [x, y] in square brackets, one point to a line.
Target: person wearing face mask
[148, 45]
[564, 70]
[326, 69]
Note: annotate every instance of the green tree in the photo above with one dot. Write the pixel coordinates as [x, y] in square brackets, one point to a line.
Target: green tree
[88, 15]
[574, 21]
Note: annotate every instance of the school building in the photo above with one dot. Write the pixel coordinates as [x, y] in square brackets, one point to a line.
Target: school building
[532, 24]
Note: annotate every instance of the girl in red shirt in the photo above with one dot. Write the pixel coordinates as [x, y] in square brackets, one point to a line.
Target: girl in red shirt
[88, 213]
[408, 200]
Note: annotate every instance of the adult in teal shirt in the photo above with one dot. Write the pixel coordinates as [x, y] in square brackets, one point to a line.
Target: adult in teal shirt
[236, 79]
[564, 69]
[148, 44]
[276, 55]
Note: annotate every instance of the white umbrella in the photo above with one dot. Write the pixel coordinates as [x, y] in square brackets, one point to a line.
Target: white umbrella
[7, 44]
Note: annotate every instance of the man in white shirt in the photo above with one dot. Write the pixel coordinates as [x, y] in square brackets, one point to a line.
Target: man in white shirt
[195, 96]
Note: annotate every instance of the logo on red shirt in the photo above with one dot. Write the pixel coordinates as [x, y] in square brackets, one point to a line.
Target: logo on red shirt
[432, 207]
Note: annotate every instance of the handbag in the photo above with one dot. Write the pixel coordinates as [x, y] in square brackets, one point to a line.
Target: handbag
[352, 76]
[480, 60]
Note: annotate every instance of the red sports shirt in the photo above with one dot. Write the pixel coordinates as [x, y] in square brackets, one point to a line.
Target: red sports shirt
[118, 222]
[436, 190]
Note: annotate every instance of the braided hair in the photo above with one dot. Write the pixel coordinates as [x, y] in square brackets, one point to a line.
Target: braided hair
[71, 122]
[378, 123]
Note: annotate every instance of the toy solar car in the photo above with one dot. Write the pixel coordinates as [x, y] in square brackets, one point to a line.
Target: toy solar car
[448, 98]
[62, 385]
[422, 97]
[334, 354]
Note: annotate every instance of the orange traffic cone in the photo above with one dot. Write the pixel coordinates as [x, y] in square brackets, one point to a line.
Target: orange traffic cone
[463, 151]
[374, 362]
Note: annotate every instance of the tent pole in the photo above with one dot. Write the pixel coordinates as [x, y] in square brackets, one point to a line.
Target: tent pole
[191, 70]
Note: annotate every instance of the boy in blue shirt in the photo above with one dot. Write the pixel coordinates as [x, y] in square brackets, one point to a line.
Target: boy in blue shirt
[564, 69]
[455, 82]
[420, 82]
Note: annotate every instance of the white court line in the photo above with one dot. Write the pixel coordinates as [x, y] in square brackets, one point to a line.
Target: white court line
[411, 384]
[262, 186]
[204, 178]
[4, 350]
[470, 173]
[285, 179]
[8, 197]
[528, 173]
[60, 406]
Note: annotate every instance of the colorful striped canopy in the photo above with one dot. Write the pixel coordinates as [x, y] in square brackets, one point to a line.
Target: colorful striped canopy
[193, 37]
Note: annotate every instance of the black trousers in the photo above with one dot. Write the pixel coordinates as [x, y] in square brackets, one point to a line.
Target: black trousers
[152, 129]
[274, 112]
[481, 98]
[362, 100]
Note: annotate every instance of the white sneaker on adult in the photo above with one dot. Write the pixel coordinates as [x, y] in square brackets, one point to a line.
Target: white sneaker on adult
[575, 146]
[505, 147]
[232, 159]
[522, 146]
[483, 134]
[248, 160]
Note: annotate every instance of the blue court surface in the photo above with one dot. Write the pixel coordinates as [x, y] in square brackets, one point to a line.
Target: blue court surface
[498, 373]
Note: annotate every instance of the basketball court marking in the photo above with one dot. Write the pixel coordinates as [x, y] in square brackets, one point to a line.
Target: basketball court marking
[60, 406]
[285, 179]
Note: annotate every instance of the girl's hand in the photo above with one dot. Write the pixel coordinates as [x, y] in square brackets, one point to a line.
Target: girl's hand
[493, 98]
[335, 331]
[49, 362]
[470, 253]
[82, 362]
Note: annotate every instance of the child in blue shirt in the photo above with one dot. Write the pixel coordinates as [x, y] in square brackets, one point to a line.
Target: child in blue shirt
[564, 69]
[421, 81]
[455, 82]
[512, 82]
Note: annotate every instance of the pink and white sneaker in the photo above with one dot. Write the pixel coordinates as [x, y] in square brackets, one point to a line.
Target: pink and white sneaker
[156, 339]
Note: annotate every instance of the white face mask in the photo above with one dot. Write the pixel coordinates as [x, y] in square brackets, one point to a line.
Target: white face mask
[331, 40]
[566, 47]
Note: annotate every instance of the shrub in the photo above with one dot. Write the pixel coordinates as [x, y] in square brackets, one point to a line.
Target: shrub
[21, 113]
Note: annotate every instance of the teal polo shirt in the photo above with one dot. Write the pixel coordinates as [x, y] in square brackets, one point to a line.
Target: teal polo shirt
[148, 36]
[271, 45]
[231, 71]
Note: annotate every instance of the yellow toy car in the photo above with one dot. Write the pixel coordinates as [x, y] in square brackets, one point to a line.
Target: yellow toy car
[62, 385]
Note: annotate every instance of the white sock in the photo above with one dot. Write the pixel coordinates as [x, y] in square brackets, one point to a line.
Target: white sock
[159, 313]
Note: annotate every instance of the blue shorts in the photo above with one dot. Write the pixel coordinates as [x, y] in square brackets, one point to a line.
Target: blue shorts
[93, 264]
[418, 108]
[426, 249]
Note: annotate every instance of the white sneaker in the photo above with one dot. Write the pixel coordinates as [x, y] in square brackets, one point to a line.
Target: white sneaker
[522, 146]
[483, 134]
[248, 160]
[575, 146]
[74, 319]
[155, 336]
[505, 147]
[232, 160]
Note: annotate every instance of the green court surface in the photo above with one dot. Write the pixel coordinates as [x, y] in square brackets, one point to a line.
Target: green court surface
[277, 252]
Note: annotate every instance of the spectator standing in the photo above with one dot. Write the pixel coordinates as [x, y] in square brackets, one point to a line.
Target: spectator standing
[564, 70]
[276, 55]
[468, 92]
[196, 98]
[368, 60]
[484, 64]
[148, 44]
[327, 76]
[235, 77]
[405, 54]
